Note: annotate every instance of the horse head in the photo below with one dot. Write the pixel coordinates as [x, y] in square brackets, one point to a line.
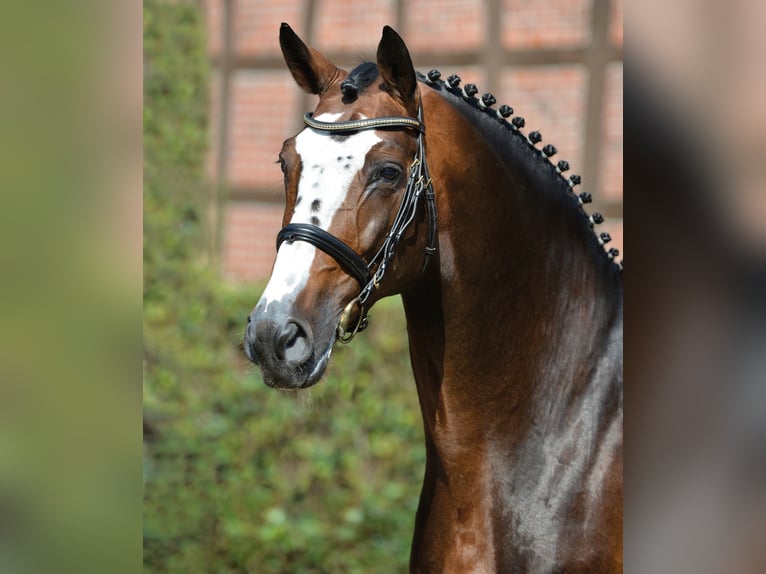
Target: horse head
[354, 178]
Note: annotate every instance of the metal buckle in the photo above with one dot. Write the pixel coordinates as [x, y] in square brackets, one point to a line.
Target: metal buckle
[344, 335]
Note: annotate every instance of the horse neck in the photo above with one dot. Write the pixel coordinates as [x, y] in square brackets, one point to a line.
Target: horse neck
[521, 300]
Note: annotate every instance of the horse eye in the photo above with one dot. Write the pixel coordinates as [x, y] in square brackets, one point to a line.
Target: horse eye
[389, 173]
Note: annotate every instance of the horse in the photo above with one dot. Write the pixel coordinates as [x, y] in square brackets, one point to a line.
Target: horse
[408, 184]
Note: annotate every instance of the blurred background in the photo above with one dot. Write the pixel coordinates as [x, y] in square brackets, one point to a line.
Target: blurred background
[242, 478]
[233, 477]
[695, 336]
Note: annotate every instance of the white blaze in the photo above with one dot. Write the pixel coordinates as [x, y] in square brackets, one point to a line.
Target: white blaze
[329, 166]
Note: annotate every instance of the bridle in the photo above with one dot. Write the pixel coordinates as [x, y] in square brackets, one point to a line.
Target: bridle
[418, 184]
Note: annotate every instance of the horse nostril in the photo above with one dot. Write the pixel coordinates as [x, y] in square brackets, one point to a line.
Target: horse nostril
[248, 341]
[293, 343]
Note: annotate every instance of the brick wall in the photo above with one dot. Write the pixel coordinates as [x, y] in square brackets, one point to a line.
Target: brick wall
[541, 67]
[546, 24]
[348, 25]
[443, 25]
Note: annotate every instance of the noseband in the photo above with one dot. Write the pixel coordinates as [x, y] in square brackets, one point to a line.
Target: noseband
[418, 184]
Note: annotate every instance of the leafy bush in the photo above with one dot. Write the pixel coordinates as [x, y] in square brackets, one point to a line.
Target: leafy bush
[239, 477]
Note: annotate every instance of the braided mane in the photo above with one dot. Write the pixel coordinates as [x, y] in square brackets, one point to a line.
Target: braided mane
[504, 129]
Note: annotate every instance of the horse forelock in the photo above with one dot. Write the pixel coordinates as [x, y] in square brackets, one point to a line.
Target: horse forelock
[359, 79]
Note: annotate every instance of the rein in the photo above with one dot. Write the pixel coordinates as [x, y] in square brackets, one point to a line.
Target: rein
[418, 184]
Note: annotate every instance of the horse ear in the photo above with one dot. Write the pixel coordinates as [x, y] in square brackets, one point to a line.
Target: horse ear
[395, 65]
[311, 69]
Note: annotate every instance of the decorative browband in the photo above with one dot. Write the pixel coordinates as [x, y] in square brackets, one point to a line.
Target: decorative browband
[363, 124]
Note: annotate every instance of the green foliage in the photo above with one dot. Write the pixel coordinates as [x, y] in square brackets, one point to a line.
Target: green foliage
[239, 477]
[323, 480]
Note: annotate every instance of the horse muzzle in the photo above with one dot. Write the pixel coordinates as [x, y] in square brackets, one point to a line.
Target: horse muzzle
[284, 347]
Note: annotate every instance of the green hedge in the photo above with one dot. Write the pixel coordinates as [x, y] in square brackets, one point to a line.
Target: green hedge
[239, 477]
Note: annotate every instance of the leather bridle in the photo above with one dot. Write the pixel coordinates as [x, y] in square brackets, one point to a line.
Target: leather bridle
[370, 274]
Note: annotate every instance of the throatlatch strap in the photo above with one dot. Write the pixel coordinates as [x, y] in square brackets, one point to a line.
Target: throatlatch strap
[334, 247]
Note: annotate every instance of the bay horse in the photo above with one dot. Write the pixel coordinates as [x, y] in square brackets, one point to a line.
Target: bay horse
[407, 184]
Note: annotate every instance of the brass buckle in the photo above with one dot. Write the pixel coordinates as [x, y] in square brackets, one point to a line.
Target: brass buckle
[344, 335]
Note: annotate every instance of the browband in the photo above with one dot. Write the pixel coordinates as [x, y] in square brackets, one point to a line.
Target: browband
[364, 124]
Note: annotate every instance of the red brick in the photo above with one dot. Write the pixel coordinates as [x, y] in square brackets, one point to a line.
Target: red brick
[610, 181]
[351, 26]
[545, 23]
[213, 12]
[261, 116]
[256, 24]
[444, 25]
[249, 244]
